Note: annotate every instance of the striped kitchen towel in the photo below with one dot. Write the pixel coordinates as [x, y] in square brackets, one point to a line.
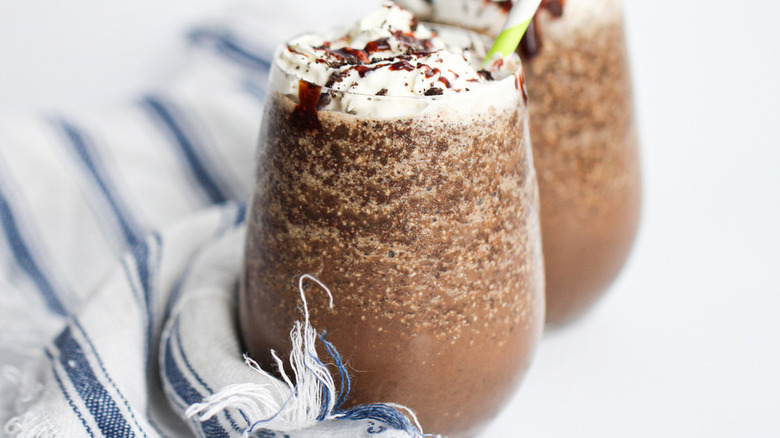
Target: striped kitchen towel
[121, 238]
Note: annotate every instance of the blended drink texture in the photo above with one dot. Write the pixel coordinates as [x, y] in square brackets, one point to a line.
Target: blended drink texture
[422, 221]
[584, 138]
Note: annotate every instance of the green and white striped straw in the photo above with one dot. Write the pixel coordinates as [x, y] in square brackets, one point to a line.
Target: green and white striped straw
[517, 23]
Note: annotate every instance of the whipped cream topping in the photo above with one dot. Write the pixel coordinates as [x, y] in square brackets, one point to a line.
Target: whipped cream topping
[389, 53]
[480, 15]
[489, 16]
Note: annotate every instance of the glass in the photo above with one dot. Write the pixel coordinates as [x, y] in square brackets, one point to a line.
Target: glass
[584, 138]
[424, 227]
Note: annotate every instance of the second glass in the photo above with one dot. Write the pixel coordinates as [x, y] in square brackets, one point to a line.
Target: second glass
[584, 137]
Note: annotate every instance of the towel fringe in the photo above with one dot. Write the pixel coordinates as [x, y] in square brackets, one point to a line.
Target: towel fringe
[28, 390]
[29, 425]
[313, 399]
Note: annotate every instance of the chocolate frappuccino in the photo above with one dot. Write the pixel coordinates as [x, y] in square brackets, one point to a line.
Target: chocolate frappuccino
[584, 138]
[399, 175]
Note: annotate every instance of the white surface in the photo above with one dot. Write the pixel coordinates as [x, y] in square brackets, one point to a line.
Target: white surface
[687, 343]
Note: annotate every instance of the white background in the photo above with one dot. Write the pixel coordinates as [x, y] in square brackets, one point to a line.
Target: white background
[687, 342]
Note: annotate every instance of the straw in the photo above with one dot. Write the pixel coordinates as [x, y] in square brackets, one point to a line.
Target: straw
[517, 23]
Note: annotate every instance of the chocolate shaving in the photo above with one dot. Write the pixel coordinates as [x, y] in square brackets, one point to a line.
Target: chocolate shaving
[336, 78]
[415, 22]
[486, 74]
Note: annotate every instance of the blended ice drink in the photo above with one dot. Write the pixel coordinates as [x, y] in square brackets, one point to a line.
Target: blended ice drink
[399, 174]
[584, 137]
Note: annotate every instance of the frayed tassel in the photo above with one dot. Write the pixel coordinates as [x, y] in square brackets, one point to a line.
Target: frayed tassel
[313, 399]
[29, 426]
[28, 390]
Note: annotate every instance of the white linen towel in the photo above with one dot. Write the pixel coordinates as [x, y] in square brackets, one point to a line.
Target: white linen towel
[120, 246]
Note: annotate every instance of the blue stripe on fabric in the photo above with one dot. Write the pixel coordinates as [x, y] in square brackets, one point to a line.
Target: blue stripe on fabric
[143, 273]
[25, 258]
[66, 395]
[160, 111]
[241, 211]
[187, 393]
[186, 361]
[232, 48]
[103, 369]
[98, 401]
[78, 142]
[141, 254]
[197, 376]
[145, 269]
[181, 384]
[254, 89]
[131, 232]
[138, 295]
[382, 413]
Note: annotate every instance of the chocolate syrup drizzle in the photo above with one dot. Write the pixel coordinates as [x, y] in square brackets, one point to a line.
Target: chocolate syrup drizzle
[305, 113]
[363, 61]
[531, 44]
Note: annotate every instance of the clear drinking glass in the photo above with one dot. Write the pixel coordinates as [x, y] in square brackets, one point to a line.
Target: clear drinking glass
[425, 228]
[584, 138]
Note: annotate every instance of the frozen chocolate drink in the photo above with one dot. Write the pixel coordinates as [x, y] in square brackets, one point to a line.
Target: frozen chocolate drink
[399, 174]
[582, 126]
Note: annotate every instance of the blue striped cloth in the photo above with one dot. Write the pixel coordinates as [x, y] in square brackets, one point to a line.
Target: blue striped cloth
[120, 239]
